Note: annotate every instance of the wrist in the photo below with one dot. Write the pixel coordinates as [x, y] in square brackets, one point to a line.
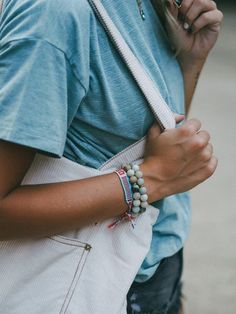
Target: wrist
[156, 188]
[190, 64]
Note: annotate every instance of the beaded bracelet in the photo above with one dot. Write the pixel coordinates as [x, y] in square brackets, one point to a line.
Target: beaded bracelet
[135, 193]
[140, 196]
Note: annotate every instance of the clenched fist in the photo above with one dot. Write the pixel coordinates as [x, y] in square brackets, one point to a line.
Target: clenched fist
[177, 160]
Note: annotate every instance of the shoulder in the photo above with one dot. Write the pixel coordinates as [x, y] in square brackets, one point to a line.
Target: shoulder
[55, 21]
[44, 7]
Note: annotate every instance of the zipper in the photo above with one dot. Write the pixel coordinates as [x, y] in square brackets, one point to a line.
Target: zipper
[161, 112]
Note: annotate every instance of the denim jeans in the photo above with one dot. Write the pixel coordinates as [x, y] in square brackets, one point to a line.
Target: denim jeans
[161, 294]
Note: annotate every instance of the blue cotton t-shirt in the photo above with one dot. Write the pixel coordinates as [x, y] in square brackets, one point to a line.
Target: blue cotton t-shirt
[65, 91]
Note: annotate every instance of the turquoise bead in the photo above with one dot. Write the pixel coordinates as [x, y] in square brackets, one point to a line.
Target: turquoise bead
[136, 196]
[136, 203]
[144, 197]
[135, 167]
[136, 210]
[144, 204]
[133, 179]
[139, 174]
[130, 172]
[143, 190]
[126, 167]
[140, 181]
[135, 188]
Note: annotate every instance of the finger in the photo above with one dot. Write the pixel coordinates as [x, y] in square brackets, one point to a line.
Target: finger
[213, 18]
[206, 153]
[185, 5]
[197, 8]
[200, 160]
[198, 176]
[197, 143]
[154, 132]
[184, 132]
[179, 117]
[206, 171]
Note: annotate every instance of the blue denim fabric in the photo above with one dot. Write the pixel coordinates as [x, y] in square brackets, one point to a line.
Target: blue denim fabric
[161, 294]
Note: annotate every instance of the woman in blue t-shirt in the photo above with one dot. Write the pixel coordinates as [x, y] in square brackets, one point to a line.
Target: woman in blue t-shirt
[64, 91]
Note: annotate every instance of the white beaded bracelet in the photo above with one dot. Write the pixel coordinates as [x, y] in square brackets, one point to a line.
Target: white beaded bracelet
[140, 196]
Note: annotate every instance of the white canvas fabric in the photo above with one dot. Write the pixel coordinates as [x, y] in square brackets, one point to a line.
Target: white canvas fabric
[86, 271]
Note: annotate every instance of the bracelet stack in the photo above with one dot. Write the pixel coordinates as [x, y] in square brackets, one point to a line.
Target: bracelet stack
[139, 191]
[135, 192]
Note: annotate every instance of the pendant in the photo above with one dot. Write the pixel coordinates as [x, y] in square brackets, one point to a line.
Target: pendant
[140, 6]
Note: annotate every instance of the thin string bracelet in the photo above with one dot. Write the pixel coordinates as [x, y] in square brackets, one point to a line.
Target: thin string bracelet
[135, 193]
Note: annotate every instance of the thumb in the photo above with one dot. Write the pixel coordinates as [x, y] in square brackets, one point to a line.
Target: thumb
[179, 117]
[154, 131]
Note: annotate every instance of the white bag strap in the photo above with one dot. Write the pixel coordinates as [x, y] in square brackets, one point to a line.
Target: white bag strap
[160, 109]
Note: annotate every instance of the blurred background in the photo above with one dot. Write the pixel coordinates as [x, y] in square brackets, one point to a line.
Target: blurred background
[210, 253]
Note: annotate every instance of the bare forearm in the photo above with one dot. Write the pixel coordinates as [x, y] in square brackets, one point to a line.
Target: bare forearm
[191, 72]
[48, 209]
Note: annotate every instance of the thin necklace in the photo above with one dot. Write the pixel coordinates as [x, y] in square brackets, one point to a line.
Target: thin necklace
[140, 6]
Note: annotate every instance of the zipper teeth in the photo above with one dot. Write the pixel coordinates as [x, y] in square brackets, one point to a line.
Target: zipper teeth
[116, 43]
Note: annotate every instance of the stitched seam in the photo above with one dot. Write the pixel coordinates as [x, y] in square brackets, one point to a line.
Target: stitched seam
[67, 299]
[29, 134]
[75, 279]
[68, 241]
[54, 46]
[81, 271]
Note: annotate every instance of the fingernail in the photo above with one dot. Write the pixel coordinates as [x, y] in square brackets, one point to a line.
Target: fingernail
[178, 2]
[186, 26]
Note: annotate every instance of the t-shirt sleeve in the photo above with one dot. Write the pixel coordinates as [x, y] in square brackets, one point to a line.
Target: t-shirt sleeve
[39, 87]
[33, 95]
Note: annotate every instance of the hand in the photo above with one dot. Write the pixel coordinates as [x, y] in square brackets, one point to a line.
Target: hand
[177, 160]
[196, 29]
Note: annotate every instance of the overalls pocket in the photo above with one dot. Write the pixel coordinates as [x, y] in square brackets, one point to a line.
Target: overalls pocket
[40, 276]
[59, 274]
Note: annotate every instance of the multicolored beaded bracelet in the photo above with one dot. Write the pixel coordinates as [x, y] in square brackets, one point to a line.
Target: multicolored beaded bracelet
[135, 192]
